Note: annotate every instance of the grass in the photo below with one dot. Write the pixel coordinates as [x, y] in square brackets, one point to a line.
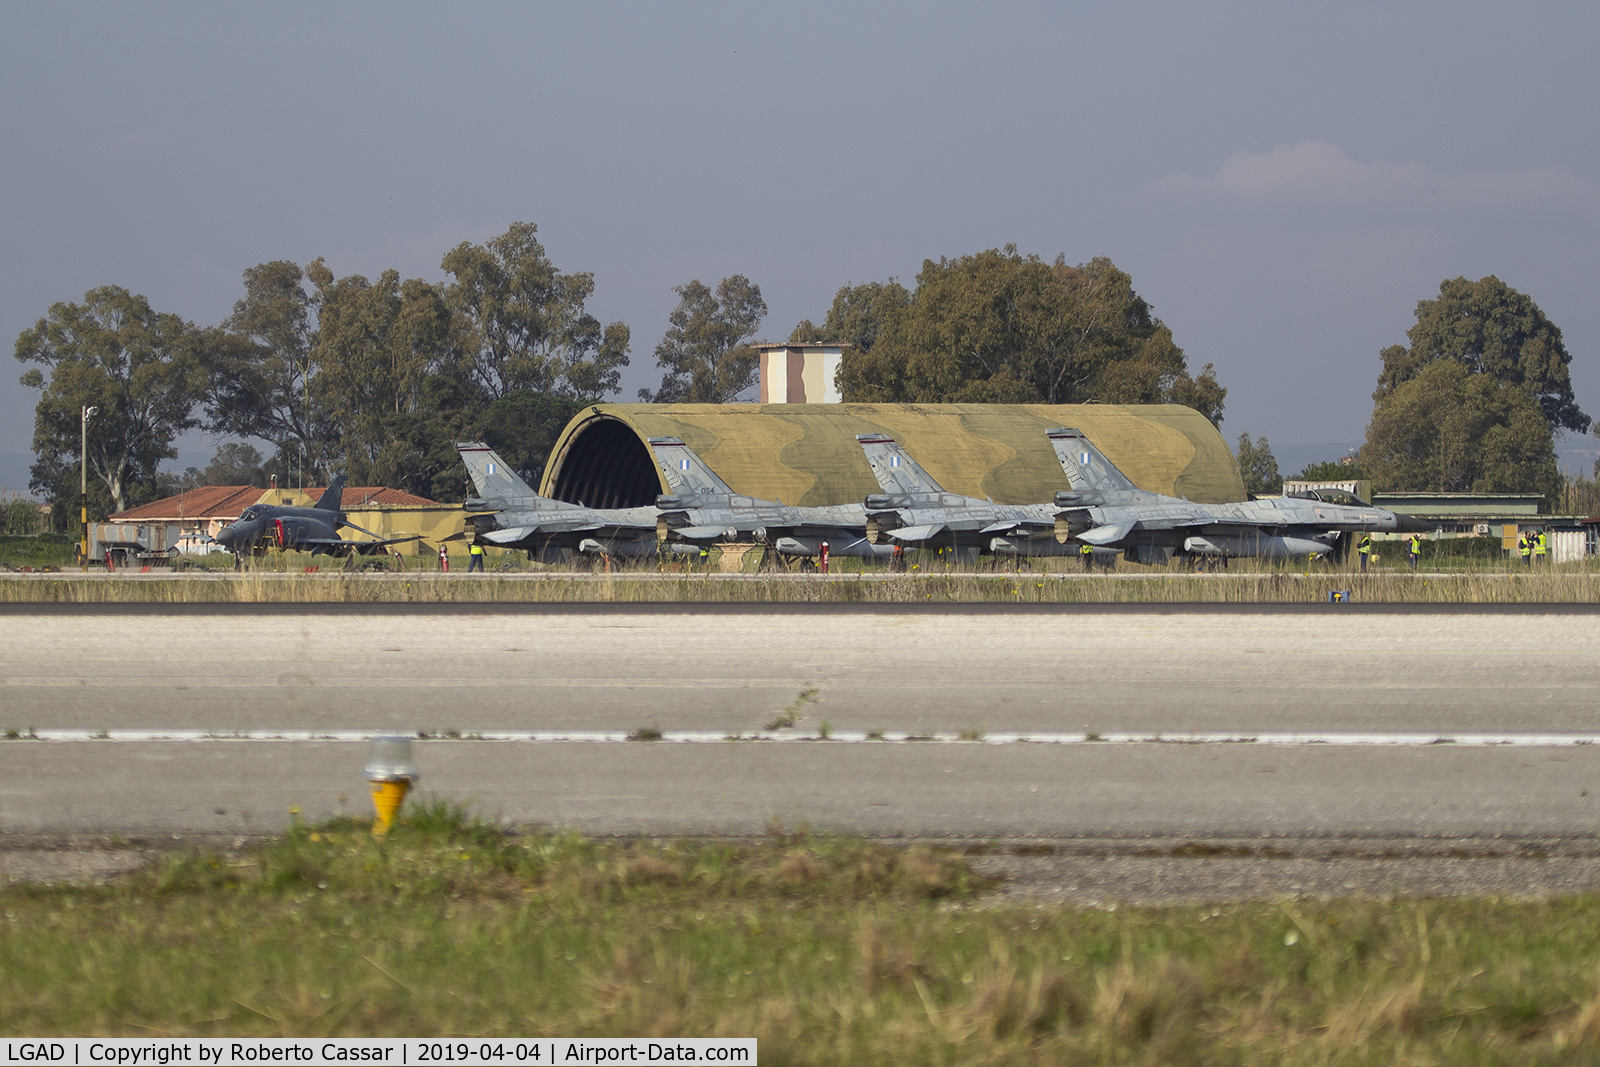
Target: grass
[829, 951]
[1245, 583]
[34, 550]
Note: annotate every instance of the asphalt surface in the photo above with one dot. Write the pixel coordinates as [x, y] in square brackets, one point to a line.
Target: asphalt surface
[1383, 685]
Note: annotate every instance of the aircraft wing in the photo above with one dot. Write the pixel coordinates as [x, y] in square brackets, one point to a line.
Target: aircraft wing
[1033, 528]
[514, 535]
[336, 544]
[700, 533]
[916, 533]
[1107, 535]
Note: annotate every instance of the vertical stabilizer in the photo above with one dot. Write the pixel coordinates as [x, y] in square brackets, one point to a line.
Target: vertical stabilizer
[686, 473]
[896, 472]
[331, 496]
[496, 483]
[1086, 466]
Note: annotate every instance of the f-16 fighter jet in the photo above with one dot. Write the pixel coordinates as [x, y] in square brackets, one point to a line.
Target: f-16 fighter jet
[1103, 508]
[702, 507]
[512, 515]
[914, 511]
[314, 529]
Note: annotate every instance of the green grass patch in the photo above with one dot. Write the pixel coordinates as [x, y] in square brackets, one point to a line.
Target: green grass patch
[829, 951]
[35, 550]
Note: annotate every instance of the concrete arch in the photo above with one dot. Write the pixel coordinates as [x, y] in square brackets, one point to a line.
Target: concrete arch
[807, 453]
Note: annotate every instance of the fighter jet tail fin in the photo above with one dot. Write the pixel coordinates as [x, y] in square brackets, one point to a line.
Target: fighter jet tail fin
[896, 471]
[495, 482]
[686, 473]
[331, 496]
[1086, 466]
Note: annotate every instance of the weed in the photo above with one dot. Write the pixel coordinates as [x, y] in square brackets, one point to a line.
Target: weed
[647, 733]
[789, 716]
[874, 735]
[970, 734]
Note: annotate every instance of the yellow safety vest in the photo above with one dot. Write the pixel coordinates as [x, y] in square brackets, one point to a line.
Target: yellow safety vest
[476, 549]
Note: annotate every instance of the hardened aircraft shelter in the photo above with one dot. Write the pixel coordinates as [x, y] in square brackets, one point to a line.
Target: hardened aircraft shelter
[807, 454]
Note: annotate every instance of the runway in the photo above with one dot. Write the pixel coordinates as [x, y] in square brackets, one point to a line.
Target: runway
[1047, 723]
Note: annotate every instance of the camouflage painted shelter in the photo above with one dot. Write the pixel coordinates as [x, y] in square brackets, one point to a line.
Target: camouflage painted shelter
[807, 454]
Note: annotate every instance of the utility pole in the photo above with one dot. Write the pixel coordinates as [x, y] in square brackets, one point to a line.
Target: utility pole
[83, 488]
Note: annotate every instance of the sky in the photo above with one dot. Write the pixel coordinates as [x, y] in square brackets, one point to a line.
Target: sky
[1283, 182]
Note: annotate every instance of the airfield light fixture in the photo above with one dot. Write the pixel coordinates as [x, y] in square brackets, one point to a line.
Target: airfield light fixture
[390, 773]
[83, 487]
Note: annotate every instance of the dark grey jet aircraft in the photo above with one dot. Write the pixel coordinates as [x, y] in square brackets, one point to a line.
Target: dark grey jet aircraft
[512, 515]
[315, 529]
[914, 511]
[1105, 509]
[702, 507]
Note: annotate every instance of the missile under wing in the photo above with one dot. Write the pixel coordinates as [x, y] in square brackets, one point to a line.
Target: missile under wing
[702, 507]
[314, 529]
[914, 510]
[507, 512]
[1105, 509]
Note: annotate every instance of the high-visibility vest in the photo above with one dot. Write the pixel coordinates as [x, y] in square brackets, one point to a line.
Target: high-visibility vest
[476, 549]
[1365, 544]
[1525, 545]
[1416, 545]
[1542, 546]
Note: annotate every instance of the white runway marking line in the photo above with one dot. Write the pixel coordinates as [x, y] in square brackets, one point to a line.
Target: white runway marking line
[1403, 740]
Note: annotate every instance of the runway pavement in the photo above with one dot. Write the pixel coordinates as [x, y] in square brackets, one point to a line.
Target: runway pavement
[1302, 724]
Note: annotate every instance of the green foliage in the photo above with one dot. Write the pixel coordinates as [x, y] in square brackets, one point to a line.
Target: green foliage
[235, 464]
[523, 322]
[523, 426]
[1257, 466]
[1448, 430]
[21, 516]
[999, 327]
[260, 367]
[858, 316]
[1488, 328]
[703, 355]
[35, 550]
[1331, 470]
[380, 351]
[825, 950]
[141, 369]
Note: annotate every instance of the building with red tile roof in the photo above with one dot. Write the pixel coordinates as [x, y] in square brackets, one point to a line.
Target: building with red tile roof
[201, 512]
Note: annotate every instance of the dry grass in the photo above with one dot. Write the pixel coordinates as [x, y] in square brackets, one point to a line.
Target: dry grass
[1575, 583]
[828, 951]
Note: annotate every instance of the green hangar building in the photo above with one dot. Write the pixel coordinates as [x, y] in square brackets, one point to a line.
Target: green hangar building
[806, 454]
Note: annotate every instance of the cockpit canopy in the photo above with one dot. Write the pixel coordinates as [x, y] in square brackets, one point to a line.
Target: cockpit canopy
[1331, 496]
[252, 512]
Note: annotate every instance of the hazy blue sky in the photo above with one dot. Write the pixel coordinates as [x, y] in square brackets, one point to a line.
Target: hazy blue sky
[1283, 182]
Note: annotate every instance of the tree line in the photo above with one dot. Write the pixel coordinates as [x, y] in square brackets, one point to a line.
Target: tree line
[379, 379]
[1471, 404]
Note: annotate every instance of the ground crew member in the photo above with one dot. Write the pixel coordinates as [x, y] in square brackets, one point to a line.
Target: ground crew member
[1541, 546]
[1364, 550]
[1415, 550]
[444, 558]
[475, 558]
[1525, 548]
[897, 558]
[1086, 553]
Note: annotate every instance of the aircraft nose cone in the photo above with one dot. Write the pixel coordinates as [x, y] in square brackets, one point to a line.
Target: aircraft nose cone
[1410, 524]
